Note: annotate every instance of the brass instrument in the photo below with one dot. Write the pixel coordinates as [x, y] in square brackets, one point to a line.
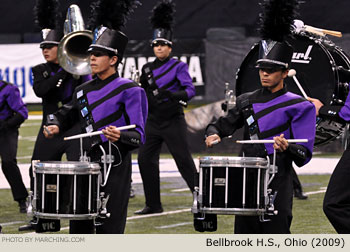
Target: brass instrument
[72, 50]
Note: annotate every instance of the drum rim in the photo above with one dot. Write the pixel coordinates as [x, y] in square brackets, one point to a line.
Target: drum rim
[244, 162]
[65, 216]
[234, 211]
[69, 167]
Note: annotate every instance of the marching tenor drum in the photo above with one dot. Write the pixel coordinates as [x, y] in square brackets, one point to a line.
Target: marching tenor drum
[233, 185]
[66, 190]
[316, 60]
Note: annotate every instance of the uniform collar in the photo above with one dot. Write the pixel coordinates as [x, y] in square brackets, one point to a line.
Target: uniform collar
[265, 94]
[107, 80]
[53, 66]
[159, 63]
[282, 91]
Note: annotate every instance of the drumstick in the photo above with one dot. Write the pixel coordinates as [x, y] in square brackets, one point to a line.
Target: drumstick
[321, 32]
[292, 73]
[47, 130]
[98, 132]
[271, 141]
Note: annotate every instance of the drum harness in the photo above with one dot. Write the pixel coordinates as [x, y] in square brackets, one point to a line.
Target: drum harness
[253, 130]
[155, 90]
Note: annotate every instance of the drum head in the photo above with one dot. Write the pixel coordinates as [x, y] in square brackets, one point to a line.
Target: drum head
[312, 62]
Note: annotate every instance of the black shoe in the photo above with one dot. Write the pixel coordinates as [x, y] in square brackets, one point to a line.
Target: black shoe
[149, 210]
[22, 206]
[300, 195]
[0, 229]
[30, 226]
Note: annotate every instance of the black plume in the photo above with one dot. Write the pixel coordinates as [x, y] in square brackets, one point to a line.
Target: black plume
[277, 18]
[46, 13]
[112, 14]
[163, 15]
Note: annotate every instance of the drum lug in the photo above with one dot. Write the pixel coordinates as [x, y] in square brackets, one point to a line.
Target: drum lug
[195, 208]
[103, 210]
[270, 210]
[31, 203]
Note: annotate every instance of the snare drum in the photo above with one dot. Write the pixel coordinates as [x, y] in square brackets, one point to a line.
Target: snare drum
[316, 61]
[66, 190]
[233, 185]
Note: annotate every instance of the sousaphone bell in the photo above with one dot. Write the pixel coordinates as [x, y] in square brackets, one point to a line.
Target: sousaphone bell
[72, 50]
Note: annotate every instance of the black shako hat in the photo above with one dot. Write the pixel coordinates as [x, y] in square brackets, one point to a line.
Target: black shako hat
[109, 40]
[273, 54]
[107, 18]
[161, 34]
[46, 17]
[162, 20]
[51, 37]
[276, 19]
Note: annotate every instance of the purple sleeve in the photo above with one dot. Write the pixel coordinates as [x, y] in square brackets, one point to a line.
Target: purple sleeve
[137, 108]
[15, 101]
[185, 80]
[344, 112]
[303, 127]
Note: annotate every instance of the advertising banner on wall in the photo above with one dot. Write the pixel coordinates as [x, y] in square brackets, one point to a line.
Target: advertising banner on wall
[16, 61]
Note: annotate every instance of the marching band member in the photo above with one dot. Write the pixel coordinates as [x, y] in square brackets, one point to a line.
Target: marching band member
[13, 112]
[55, 87]
[104, 103]
[167, 84]
[336, 203]
[272, 113]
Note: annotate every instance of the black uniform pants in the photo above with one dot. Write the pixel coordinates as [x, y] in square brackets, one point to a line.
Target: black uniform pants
[8, 152]
[336, 203]
[280, 223]
[296, 182]
[173, 133]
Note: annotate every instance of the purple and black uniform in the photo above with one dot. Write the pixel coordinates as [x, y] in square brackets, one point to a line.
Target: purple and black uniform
[264, 115]
[95, 105]
[336, 204]
[13, 112]
[167, 84]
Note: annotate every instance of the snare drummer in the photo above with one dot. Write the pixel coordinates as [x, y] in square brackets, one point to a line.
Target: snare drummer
[271, 113]
[336, 203]
[104, 103]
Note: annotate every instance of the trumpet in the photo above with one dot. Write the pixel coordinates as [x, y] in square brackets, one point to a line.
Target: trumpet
[72, 51]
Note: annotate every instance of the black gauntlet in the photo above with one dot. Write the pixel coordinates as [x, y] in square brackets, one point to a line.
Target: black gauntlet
[298, 153]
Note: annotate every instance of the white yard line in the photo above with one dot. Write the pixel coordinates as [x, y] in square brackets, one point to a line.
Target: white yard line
[158, 214]
[181, 190]
[315, 192]
[175, 225]
[11, 223]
